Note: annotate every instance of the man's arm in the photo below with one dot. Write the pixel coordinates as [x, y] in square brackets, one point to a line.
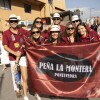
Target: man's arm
[16, 53]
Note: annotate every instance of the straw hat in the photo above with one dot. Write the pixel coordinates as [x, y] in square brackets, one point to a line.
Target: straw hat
[55, 28]
[56, 15]
[75, 17]
[13, 17]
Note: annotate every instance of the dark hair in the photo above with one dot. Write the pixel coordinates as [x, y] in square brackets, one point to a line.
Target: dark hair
[51, 40]
[32, 38]
[80, 20]
[1, 32]
[78, 35]
[33, 25]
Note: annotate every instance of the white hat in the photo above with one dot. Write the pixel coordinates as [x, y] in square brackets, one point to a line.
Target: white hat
[55, 28]
[56, 15]
[13, 17]
[75, 17]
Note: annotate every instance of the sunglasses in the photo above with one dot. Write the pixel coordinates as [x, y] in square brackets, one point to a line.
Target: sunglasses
[70, 28]
[13, 21]
[75, 21]
[39, 22]
[35, 32]
[56, 18]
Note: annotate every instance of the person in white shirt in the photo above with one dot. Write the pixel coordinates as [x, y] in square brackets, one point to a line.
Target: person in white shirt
[4, 54]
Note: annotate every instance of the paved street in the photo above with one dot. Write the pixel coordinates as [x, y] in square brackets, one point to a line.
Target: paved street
[6, 88]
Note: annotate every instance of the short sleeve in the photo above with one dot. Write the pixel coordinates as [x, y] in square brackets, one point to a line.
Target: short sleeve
[5, 39]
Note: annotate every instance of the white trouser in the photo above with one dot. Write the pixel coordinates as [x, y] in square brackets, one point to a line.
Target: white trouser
[22, 63]
[12, 63]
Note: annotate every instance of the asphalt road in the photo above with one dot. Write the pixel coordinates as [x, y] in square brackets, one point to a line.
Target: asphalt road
[7, 93]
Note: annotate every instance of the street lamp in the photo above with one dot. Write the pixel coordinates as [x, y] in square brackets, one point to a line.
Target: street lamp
[90, 11]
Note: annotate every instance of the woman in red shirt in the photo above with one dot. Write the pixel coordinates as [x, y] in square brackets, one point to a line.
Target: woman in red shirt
[39, 24]
[36, 36]
[55, 37]
[86, 35]
[69, 35]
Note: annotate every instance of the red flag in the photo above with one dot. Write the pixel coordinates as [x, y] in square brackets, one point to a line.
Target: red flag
[68, 70]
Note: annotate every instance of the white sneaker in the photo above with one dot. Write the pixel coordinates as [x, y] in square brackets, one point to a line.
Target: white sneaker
[37, 96]
[26, 98]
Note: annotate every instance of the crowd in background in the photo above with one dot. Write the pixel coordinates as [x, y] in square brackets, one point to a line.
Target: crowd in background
[94, 23]
[75, 31]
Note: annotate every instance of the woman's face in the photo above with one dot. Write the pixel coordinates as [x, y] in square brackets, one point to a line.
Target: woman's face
[35, 33]
[81, 30]
[55, 34]
[38, 23]
[70, 30]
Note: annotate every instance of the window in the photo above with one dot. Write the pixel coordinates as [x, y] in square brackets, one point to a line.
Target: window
[27, 8]
[5, 4]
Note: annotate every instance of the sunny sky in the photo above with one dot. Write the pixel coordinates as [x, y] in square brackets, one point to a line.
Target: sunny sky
[84, 6]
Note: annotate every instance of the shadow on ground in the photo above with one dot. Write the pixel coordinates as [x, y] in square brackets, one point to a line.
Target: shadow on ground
[1, 82]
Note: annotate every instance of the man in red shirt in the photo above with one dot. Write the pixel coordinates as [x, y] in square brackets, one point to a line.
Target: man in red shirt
[13, 41]
[57, 20]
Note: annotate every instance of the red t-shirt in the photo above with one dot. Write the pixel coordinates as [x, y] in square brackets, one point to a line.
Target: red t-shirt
[45, 34]
[91, 37]
[14, 41]
[68, 40]
[62, 28]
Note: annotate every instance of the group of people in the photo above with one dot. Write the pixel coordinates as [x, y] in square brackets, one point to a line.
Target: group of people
[73, 32]
[13, 41]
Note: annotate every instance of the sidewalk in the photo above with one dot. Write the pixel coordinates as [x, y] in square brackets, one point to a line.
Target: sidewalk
[6, 88]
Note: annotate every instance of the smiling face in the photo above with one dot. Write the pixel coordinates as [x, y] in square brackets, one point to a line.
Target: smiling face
[56, 20]
[76, 22]
[13, 23]
[55, 35]
[35, 33]
[70, 29]
[38, 23]
[82, 30]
